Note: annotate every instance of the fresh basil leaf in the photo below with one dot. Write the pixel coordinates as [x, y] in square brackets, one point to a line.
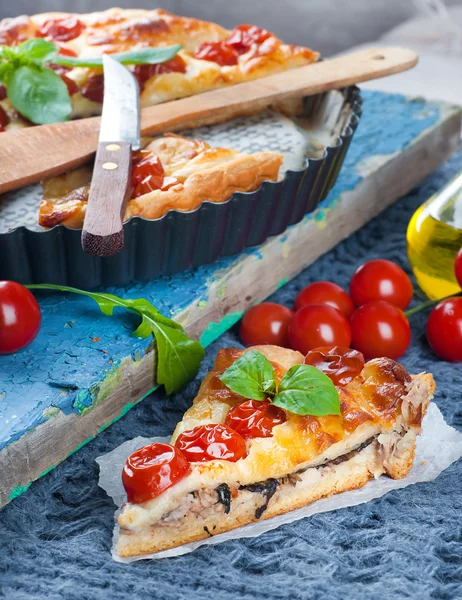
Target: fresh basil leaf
[178, 356]
[143, 56]
[6, 70]
[251, 376]
[39, 94]
[37, 49]
[307, 391]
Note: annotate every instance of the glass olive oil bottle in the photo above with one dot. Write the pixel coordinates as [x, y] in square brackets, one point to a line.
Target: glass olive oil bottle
[434, 236]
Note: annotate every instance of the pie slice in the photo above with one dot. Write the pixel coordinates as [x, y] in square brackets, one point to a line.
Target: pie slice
[170, 173]
[284, 462]
[211, 56]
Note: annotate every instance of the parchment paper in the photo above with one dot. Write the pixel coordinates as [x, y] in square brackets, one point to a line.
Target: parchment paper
[438, 446]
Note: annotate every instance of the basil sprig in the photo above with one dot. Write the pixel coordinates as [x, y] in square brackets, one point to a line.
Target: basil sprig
[178, 356]
[38, 93]
[303, 390]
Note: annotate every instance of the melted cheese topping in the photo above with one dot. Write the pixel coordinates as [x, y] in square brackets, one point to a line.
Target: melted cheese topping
[370, 405]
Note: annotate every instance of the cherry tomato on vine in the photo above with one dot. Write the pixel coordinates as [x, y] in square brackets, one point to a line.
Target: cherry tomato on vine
[380, 329]
[211, 442]
[381, 280]
[266, 323]
[458, 267]
[253, 419]
[339, 363]
[444, 329]
[325, 292]
[151, 470]
[318, 325]
[20, 317]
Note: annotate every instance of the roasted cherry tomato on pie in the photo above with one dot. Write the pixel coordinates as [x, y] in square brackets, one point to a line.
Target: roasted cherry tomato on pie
[218, 52]
[148, 174]
[325, 292]
[381, 280]
[72, 87]
[444, 329]
[93, 88]
[151, 470]
[266, 323]
[64, 50]
[61, 30]
[4, 119]
[254, 419]
[458, 267]
[243, 36]
[339, 363]
[20, 317]
[145, 72]
[380, 329]
[211, 442]
[318, 325]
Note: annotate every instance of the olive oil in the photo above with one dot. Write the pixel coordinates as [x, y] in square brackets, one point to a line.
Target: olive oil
[434, 236]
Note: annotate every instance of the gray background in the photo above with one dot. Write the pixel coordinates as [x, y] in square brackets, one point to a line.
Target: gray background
[326, 25]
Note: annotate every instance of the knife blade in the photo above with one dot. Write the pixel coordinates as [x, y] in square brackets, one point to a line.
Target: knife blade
[102, 233]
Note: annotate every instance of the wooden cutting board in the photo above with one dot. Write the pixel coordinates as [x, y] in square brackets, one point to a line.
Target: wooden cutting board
[84, 370]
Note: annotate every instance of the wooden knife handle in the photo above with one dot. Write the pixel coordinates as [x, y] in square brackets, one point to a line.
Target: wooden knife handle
[103, 233]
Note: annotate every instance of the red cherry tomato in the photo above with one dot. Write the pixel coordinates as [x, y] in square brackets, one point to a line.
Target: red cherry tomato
[145, 72]
[380, 329]
[20, 317]
[151, 470]
[381, 280]
[93, 88]
[4, 119]
[318, 325]
[218, 52]
[325, 292]
[148, 174]
[64, 50]
[339, 363]
[61, 30]
[211, 442]
[243, 36]
[266, 323]
[444, 329]
[458, 267]
[72, 87]
[2, 92]
[253, 419]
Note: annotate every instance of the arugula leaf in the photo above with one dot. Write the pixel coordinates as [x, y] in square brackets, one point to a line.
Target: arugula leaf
[143, 56]
[37, 49]
[251, 376]
[307, 391]
[39, 94]
[178, 356]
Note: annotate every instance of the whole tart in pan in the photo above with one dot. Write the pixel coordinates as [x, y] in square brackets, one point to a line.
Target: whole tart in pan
[313, 145]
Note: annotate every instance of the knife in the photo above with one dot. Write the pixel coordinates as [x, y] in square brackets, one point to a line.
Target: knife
[103, 233]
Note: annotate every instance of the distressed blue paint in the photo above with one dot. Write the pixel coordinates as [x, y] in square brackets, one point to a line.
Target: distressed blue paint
[66, 363]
